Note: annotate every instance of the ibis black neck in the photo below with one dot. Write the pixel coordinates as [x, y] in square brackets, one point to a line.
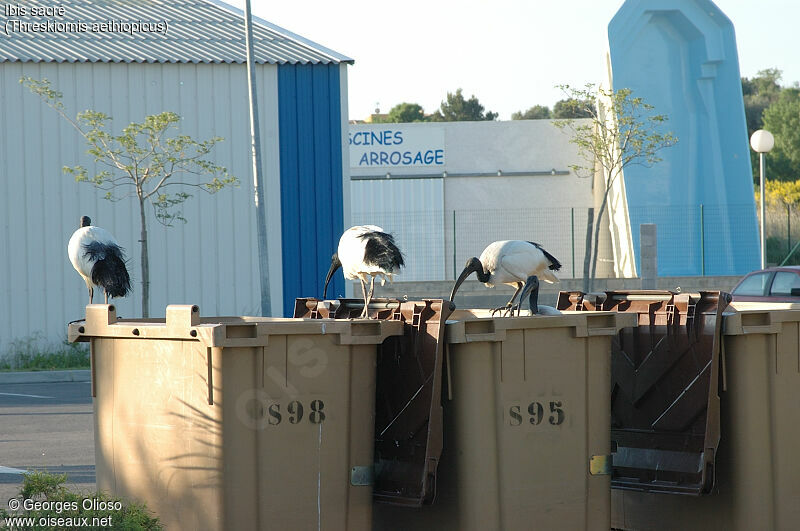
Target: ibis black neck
[482, 275]
[473, 266]
[335, 264]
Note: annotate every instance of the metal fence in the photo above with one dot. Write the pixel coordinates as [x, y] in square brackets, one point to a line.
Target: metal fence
[436, 244]
[692, 240]
[783, 234]
[702, 239]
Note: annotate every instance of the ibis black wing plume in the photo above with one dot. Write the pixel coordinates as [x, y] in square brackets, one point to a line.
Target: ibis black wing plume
[382, 251]
[555, 265]
[109, 270]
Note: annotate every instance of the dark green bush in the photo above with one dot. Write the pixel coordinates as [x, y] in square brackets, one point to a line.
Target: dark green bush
[777, 251]
[65, 504]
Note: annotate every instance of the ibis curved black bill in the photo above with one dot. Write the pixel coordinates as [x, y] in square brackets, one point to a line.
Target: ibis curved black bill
[335, 264]
[473, 266]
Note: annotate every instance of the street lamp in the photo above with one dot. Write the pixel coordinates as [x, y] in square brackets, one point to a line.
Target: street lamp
[762, 142]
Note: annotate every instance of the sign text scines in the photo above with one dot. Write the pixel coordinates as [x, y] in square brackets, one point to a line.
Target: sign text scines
[396, 147]
[534, 413]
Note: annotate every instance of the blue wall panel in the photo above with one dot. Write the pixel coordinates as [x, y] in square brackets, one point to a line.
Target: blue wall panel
[680, 56]
[311, 178]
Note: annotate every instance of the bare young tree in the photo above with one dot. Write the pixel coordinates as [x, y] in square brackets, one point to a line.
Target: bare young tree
[621, 130]
[144, 162]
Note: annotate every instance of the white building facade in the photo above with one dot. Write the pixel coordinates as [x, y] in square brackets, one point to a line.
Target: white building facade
[446, 190]
[196, 70]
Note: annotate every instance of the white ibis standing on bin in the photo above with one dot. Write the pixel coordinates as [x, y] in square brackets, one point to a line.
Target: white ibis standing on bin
[366, 252]
[516, 263]
[99, 259]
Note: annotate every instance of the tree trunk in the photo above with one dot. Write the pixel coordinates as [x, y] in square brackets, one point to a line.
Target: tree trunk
[145, 263]
[587, 255]
[597, 233]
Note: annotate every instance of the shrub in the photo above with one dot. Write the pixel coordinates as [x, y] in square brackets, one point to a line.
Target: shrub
[34, 353]
[65, 504]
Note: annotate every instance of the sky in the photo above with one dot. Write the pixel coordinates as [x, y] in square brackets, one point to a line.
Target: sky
[510, 54]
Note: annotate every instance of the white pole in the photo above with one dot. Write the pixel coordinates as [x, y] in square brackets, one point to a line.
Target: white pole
[763, 214]
[258, 179]
[762, 141]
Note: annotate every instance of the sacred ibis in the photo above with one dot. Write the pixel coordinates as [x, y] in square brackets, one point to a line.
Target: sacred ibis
[99, 259]
[366, 251]
[516, 263]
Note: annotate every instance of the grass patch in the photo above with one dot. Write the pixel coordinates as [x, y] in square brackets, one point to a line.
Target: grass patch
[50, 501]
[777, 250]
[35, 354]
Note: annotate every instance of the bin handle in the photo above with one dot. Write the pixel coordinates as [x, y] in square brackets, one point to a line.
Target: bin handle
[449, 376]
[93, 367]
[210, 379]
[722, 362]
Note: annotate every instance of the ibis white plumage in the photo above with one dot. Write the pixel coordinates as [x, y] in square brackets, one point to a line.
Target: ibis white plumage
[99, 259]
[366, 252]
[516, 263]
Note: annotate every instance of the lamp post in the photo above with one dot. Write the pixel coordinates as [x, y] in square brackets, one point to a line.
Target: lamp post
[762, 142]
[258, 175]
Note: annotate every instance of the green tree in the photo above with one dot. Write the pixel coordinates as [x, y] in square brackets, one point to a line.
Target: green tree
[782, 119]
[406, 113]
[457, 109]
[622, 130]
[573, 108]
[537, 112]
[158, 166]
[759, 93]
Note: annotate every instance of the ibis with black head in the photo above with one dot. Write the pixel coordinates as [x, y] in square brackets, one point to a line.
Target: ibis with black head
[99, 260]
[517, 263]
[366, 252]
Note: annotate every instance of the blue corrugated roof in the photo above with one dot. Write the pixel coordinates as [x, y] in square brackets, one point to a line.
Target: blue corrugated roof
[148, 31]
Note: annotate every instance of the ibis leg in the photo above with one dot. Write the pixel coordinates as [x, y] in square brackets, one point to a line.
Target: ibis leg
[531, 289]
[371, 287]
[369, 295]
[508, 309]
[366, 301]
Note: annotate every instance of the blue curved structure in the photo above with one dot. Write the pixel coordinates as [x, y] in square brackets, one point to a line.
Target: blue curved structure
[680, 56]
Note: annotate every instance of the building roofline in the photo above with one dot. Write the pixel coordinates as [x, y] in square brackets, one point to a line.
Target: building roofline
[291, 35]
[200, 31]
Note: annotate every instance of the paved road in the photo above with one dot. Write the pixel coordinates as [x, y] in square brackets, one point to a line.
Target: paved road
[46, 426]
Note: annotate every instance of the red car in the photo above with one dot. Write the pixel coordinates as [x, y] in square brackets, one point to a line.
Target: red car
[774, 284]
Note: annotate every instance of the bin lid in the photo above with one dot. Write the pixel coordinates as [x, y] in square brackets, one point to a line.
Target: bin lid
[665, 416]
[408, 403]
[470, 325]
[183, 322]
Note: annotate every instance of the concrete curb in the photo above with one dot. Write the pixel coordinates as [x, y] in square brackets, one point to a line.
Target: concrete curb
[83, 375]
